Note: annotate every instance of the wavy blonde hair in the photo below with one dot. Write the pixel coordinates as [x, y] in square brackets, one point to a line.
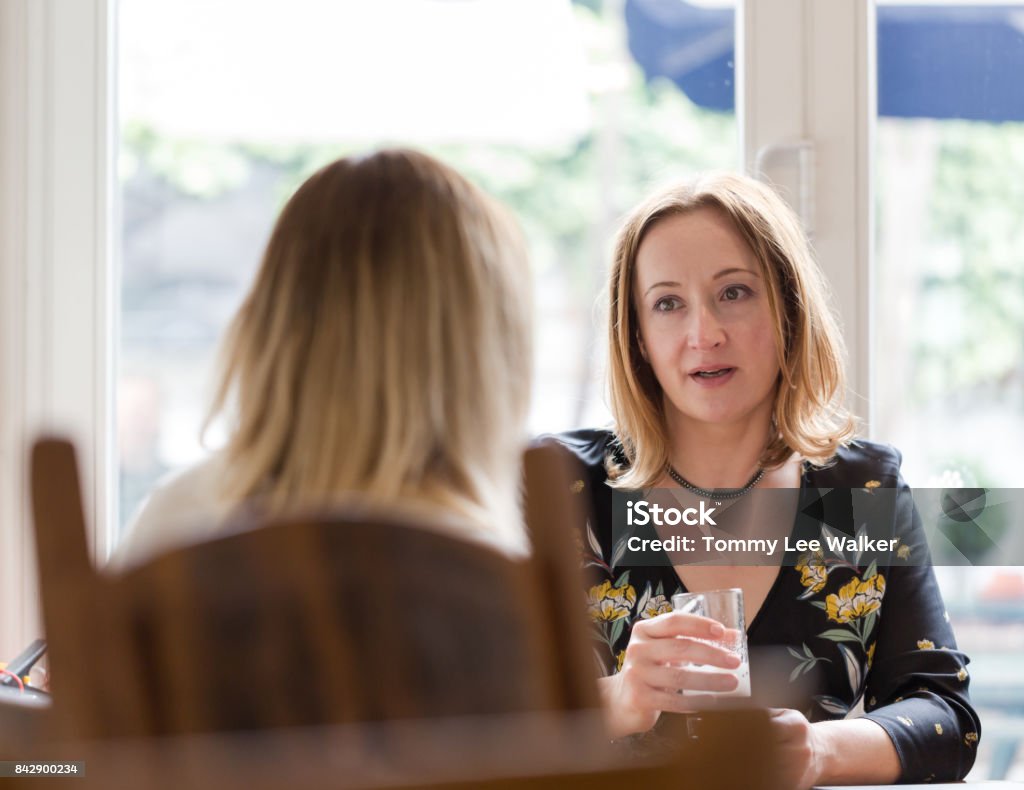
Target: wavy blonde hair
[384, 348]
[808, 417]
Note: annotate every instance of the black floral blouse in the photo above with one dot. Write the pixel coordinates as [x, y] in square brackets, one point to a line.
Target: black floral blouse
[830, 632]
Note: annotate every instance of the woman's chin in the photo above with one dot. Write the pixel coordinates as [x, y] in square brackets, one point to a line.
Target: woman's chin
[717, 415]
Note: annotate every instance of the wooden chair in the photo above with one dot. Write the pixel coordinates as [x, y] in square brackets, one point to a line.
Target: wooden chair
[342, 617]
[397, 643]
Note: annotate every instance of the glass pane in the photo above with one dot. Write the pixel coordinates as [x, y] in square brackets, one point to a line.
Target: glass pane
[949, 301]
[568, 111]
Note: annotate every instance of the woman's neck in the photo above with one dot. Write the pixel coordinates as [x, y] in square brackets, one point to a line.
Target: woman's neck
[717, 456]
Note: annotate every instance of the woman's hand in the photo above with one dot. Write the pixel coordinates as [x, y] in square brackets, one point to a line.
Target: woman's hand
[798, 749]
[654, 670]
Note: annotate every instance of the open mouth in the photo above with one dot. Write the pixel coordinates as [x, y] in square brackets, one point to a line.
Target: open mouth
[712, 374]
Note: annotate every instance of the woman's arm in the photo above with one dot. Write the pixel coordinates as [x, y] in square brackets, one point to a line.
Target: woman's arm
[917, 683]
[850, 751]
[855, 751]
[919, 724]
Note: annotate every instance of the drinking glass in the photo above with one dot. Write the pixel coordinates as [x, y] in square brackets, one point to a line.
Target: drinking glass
[725, 606]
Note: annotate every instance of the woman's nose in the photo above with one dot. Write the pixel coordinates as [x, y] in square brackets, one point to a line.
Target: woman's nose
[705, 331]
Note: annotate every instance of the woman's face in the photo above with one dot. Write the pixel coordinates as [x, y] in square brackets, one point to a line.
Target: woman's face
[704, 321]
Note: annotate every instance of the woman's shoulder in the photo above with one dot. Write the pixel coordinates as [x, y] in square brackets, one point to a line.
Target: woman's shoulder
[184, 506]
[861, 462]
[590, 446]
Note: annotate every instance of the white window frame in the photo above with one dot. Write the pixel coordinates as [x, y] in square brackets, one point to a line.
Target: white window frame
[805, 73]
[57, 310]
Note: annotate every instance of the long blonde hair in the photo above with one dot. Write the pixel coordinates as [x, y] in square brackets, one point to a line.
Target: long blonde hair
[384, 348]
[808, 417]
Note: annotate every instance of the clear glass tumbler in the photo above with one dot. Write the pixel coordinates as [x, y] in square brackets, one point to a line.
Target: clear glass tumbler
[725, 606]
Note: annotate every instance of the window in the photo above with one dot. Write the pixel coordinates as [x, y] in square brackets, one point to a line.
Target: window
[563, 110]
[949, 302]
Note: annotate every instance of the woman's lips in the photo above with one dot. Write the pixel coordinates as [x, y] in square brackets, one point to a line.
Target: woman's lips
[717, 380]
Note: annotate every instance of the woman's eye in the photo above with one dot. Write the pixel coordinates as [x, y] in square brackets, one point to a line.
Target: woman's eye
[667, 304]
[734, 292]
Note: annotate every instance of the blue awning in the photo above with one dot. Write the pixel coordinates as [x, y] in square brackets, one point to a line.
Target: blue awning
[933, 61]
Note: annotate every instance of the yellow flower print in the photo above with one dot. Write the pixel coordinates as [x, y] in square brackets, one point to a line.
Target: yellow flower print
[619, 659]
[856, 599]
[812, 570]
[938, 728]
[872, 484]
[607, 603]
[961, 675]
[903, 552]
[925, 644]
[871, 653]
[970, 739]
[905, 720]
[657, 604]
[576, 487]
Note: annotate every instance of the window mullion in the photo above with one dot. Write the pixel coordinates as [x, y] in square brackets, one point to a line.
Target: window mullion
[806, 73]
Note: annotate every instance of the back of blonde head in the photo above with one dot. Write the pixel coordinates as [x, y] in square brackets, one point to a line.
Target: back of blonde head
[809, 417]
[384, 347]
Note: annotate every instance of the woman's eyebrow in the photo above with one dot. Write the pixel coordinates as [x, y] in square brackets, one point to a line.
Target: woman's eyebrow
[672, 283]
[733, 270]
[723, 273]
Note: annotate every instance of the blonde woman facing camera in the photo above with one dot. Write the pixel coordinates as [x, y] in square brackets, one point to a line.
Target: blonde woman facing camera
[726, 382]
[382, 356]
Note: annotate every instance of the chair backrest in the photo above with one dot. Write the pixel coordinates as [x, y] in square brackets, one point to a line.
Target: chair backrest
[338, 618]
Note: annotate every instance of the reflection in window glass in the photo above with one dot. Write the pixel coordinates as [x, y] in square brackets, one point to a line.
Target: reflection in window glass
[541, 102]
[949, 303]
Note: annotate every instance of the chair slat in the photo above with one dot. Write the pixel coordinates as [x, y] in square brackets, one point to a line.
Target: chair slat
[553, 511]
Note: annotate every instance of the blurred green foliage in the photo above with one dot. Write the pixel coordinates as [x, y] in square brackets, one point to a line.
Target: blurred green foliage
[971, 295]
[967, 336]
[566, 196]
